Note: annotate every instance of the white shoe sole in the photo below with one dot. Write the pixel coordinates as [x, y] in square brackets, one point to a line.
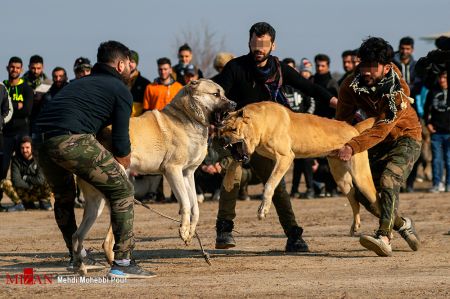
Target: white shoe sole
[373, 245]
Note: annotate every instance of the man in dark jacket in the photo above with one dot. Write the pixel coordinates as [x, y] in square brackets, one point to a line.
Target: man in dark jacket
[323, 78]
[27, 183]
[259, 76]
[22, 102]
[6, 112]
[137, 85]
[68, 127]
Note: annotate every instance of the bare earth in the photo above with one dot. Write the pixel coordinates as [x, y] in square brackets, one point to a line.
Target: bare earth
[337, 267]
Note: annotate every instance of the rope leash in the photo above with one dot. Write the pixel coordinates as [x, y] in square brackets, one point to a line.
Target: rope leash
[204, 253]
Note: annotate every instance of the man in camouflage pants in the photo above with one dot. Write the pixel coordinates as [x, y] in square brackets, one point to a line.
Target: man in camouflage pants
[27, 183]
[67, 127]
[378, 90]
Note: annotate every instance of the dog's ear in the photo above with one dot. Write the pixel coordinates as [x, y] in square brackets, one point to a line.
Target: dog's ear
[194, 84]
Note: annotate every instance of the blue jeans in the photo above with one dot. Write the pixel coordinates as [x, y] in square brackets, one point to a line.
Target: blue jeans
[440, 149]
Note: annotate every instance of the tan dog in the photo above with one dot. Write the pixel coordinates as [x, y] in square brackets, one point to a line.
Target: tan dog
[277, 133]
[172, 142]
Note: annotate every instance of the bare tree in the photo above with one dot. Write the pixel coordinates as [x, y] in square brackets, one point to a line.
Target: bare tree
[205, 45]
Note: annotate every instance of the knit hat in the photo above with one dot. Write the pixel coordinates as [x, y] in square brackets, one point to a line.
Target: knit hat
[134, 56]
[305, 65]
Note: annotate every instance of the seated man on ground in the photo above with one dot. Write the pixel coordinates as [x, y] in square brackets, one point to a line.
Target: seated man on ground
[27, 183]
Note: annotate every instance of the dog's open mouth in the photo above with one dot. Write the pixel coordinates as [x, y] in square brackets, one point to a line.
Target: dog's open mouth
[238, 151]
[218, 117]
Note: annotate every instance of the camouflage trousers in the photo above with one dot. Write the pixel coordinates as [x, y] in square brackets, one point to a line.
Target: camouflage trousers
[391, 164]
[261, 170]
[18, 195]
[62, 156]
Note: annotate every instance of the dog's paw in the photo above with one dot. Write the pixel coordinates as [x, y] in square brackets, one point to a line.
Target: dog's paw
[263, 210]
[354, 231]
[184, 233]
[82, 270]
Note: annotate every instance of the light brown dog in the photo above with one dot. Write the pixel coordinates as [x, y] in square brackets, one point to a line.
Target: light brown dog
[277, 133]
[172, 142]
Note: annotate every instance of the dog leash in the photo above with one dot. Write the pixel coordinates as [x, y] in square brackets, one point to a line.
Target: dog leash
[204, 253]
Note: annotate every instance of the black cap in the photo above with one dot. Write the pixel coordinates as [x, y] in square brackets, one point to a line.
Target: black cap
[82, 63]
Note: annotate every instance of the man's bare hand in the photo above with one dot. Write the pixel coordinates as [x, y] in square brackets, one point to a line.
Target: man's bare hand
[333, 102]
[345, 153]
[124, 161]
[431, 128]
[19, 105]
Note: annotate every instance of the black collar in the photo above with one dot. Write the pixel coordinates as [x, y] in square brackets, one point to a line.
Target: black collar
[102, 68]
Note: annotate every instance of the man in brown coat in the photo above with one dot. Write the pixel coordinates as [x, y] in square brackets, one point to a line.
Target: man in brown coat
[378, 90]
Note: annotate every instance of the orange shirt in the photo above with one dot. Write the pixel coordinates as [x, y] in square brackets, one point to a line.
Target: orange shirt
[157, 96]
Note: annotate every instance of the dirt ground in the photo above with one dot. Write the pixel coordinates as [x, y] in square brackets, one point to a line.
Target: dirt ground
[337, 267]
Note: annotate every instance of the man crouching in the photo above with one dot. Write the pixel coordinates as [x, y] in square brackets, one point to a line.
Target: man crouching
[378, 89]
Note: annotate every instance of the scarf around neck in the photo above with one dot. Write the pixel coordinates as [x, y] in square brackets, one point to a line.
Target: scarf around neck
[272, 78]
[389, 87]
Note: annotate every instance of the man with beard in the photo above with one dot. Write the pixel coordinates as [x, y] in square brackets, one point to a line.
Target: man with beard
[259, 76]
[405, 60]
[59, 77]
[137, 85]
[68, 127]
[394, 142]
[348, 64]
[38, 80]
[22, 102]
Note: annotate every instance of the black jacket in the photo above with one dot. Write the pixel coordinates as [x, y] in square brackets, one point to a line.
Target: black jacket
[437, 110]
[5, 106]
[91, 103]
[26, 174]
[241, 85]
[20, 93]
[326, 81]
[138, 88]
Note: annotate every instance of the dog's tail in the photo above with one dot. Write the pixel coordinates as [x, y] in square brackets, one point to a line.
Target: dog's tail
[365, 124]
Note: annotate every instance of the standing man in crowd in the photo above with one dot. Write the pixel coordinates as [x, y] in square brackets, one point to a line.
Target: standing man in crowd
[393, 142]
[405, 60]
[185, 58]
[40, 83]
[82, 67]
[137, 85]
[69, 147]
[59, 76]
[22, 102]
[163, 89]
[6, 112]
[348, 63]
[157, 95]
[437, 120]
[259, 76]
[323, 78]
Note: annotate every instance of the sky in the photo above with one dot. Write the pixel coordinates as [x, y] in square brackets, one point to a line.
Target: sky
[61, 31]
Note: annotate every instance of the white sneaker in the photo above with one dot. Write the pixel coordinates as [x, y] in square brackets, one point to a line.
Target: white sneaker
[376, 244]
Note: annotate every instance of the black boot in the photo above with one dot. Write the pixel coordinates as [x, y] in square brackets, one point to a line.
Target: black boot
[295, 242]
[224, 239]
